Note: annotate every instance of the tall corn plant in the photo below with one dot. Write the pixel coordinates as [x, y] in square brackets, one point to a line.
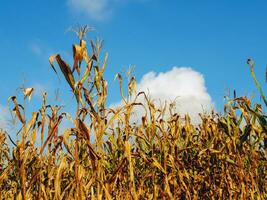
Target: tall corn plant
[105, 156]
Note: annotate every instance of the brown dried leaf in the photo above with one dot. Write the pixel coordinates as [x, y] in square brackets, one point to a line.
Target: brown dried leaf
[51, 61]
[17, 111]
[77, 57]
[66, 71]
[84, 130]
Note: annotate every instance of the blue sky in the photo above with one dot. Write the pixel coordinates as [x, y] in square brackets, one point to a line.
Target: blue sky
[214, 38]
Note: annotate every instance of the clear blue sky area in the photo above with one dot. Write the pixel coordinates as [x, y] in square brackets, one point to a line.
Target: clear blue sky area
[214, 37]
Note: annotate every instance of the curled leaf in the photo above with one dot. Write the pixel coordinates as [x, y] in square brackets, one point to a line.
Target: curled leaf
[51, 61]
[28, 93]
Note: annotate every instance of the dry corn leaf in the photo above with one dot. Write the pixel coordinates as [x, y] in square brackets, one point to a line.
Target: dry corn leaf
[28, 93]
[32, 122]
[58, 178]
[51, 61]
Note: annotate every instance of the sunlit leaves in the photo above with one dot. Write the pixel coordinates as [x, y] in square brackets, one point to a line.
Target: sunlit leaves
[104, 155]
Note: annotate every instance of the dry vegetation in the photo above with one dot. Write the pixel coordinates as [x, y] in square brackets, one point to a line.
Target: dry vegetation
[105, 156]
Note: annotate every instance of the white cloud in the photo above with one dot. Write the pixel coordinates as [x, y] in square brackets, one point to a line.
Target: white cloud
[36, 49]
[98, 9]
[40, 49]
[183, 85]
[4, 116]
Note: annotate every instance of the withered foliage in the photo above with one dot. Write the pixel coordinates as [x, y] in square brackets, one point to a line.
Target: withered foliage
[106, 156]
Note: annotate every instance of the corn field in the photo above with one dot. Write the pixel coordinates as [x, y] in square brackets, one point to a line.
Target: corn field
[103, 155]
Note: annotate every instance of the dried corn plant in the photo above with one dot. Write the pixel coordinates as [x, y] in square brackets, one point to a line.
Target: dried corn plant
[105, 156]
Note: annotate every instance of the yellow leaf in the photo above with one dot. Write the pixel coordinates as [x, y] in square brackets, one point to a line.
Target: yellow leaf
[62, 166]
[31, 123]
[28, 93]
